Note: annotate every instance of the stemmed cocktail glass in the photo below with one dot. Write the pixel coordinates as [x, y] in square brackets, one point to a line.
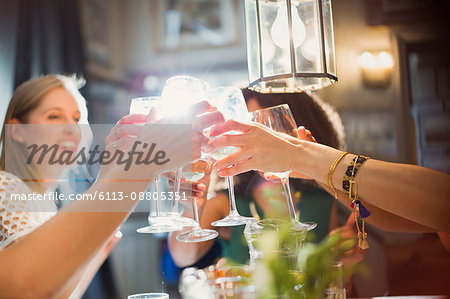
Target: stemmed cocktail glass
[196, 172]
[178, 94]
[230, 102]
[157, 222]
[280, 119]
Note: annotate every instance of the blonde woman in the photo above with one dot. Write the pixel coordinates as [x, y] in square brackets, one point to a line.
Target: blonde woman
[46, 253]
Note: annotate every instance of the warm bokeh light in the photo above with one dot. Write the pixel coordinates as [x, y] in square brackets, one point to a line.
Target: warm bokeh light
[381, 59]
[376, 68]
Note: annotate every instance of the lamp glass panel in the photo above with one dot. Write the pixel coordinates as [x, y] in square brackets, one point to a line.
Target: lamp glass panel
[329, 37]
[275, 38]
[252, 40]
[308, 55]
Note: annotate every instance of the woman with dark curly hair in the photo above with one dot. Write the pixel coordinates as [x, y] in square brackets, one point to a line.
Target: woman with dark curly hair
[256, 196]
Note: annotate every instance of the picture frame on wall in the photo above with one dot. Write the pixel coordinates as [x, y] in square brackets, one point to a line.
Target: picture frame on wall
[95, 21]
[183, 25]
[99, 24]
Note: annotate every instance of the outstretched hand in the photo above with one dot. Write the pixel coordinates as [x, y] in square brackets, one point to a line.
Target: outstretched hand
[177, 139]
[179, 133]
[196, 189]
[260, 148]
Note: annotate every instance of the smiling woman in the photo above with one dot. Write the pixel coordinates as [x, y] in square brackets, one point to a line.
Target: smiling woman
[45, 110]
[51, 254]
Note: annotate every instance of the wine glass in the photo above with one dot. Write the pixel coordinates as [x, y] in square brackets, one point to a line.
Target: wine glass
[230, 102]
[178, 94]
[280, 119]
[158, 223]
[149, 296]
[197, 234]
[336, 289]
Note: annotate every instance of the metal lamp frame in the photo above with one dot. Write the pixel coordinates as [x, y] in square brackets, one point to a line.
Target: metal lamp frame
[294, 73]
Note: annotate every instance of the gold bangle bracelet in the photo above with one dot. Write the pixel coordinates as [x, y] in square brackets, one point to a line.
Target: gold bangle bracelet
[331, 172]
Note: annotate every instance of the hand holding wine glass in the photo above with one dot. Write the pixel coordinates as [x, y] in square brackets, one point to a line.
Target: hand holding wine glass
[302, 134]
[182, 141]
[281, 120]
[260, 148]
[180, 94]
[194, 173]
[230, 102]
[263, 149]
[173, 140]
[194, 182]
[157, 222]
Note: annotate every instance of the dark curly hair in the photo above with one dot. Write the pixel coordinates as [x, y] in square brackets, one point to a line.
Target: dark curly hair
[309, 111]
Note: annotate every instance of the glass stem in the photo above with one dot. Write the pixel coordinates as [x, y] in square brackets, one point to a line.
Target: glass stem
[157, 207]
[287, 194]
[195, 210]
[231, 197]
[176, 188]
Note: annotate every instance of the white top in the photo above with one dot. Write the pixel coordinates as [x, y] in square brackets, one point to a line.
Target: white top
[19, 217]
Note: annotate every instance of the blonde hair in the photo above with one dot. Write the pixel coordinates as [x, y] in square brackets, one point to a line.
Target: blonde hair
[25, 99]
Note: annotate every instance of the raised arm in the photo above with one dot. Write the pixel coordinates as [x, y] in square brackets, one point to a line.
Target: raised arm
[46, 262]
[414, 193]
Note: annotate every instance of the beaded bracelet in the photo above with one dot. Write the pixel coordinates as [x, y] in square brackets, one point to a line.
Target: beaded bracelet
[349, 187]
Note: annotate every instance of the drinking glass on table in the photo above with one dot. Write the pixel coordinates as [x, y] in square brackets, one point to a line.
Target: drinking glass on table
[194, 173]
[336, 289]
[230, 102]
[280, 119]
[149, 296]
[178, 94]
[157, 222]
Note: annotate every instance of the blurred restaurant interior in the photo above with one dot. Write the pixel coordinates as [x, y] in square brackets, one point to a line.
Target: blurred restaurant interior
[393, 94]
